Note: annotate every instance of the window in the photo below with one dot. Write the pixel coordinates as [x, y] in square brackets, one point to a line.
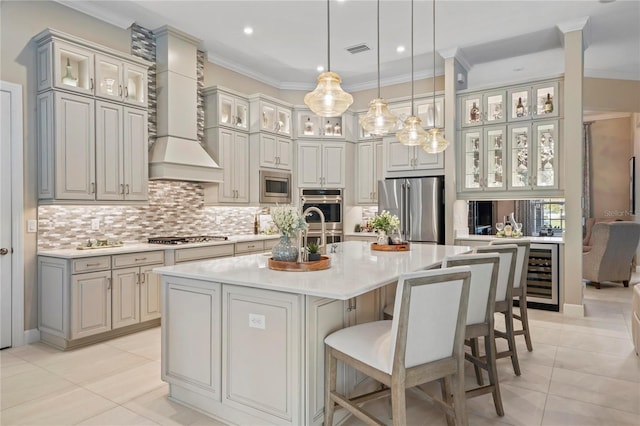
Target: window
[548, 215]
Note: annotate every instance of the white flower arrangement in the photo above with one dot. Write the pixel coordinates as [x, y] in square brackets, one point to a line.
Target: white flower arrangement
[288, 220]
[385, 222]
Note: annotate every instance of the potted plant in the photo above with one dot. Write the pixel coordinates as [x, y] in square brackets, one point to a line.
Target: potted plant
[385, 224]
[314, 254]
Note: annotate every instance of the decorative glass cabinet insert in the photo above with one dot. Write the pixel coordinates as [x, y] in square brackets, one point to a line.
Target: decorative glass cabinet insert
[519, 138]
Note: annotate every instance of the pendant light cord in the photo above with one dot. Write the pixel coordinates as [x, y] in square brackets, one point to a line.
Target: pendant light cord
[434, 64]
[328, 37]
[412, 111]
[378, 11]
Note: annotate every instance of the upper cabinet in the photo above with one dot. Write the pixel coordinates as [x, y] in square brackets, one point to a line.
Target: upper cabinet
[85, 70]
[520, 158]
[270, 115]
[92, 122]
[226, 108]
[430, 111]
[309, 125]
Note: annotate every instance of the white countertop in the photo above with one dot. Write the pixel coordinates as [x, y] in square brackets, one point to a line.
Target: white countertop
[355, 269]
[540, 240]
[136, 247]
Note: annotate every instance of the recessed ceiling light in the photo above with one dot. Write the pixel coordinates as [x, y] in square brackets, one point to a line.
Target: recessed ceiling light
[400, 49]
[320, 68]
[248, 30]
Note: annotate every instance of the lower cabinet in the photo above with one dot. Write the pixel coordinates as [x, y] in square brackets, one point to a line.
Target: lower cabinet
[85, 300]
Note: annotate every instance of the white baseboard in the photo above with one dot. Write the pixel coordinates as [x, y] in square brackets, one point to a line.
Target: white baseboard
[31, 336]
[574, 311]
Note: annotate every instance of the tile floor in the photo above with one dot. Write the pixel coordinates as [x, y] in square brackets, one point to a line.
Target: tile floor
[581, 372]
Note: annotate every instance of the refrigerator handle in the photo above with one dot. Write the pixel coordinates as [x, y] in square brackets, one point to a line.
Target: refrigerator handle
[407, 211]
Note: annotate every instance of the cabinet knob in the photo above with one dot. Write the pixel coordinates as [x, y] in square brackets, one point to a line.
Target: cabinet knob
[3, 251]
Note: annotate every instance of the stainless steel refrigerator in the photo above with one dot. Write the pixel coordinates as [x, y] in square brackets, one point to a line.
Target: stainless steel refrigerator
[418, 203]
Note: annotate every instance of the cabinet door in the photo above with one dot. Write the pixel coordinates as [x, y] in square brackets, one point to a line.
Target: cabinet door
[309, 164]
[399, 156]
[471, 110]
[519, 153]
[366, 174]
[125, 297]
[135, 154]
[109, 84]
[284, 121]
[545, 151]
[495, 158]
[520, 104]
[73, 68]
[268, 117]
[425, 161]
[149, 293]
[379, 167]
[135, 85]
[75, 147]
[471, 160]
[494, 110]
[241, 114]
[431, 113]
[268, 151]
[225, 157]
[283, 151]
[109, 146]
[241, 167]
[90, 304]
[226, 113]
[546, 96]
[333, 159]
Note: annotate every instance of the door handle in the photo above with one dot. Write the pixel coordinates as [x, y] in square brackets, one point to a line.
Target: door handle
[3, 251]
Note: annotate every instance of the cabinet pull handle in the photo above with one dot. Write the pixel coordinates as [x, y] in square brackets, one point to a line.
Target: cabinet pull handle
[140, 259]
[251, 246]
[138, 278]
[120, 90]
[89, 265]
[122, 188]
[127, 188]
[108, 283]
[91, 83]
[93, 187]
[144, 277]
[126, 92]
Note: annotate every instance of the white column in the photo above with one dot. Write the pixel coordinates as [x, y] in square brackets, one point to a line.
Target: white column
[572, 143]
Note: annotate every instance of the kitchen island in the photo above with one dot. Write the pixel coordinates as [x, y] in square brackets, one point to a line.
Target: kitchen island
[244, 343]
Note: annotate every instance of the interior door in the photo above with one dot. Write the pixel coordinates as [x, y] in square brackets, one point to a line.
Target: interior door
[5, 219]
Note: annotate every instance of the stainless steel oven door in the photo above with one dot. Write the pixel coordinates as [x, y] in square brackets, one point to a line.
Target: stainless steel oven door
[275, 187]
[332, 211]
[332, 236]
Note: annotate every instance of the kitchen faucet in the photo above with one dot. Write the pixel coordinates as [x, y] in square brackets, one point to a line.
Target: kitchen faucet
[323, 237]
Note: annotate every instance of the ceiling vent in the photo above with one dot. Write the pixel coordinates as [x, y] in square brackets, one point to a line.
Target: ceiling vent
[358, 48]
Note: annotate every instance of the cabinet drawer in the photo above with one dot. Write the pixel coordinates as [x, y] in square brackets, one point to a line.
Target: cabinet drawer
[268, 244]
[91, 264]
[249, 246]
[136, 259]
[208, 252]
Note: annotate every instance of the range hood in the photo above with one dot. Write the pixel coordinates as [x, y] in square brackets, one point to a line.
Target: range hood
[177, 154]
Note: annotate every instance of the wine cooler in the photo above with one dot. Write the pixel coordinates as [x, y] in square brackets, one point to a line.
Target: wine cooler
[542, 277]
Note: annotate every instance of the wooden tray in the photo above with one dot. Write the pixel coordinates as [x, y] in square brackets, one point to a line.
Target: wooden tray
[390, 247]
[278, 265]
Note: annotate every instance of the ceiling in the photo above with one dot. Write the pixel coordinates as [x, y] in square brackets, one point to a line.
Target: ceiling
[497, 40]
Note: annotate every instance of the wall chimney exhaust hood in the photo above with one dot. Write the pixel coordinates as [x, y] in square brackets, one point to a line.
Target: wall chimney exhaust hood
[177, 154]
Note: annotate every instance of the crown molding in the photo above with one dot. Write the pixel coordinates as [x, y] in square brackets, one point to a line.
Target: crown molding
[99, 12]
[458, 54]
[581, 24]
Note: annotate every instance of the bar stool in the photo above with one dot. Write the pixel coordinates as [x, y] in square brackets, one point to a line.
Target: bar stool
[520, 286]
[423, 343]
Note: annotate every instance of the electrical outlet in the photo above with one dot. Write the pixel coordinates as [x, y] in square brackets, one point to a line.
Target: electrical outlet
[32, 225]
[257, 321]
[95, 224]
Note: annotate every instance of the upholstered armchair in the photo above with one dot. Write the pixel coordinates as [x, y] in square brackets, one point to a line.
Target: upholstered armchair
[613, 246]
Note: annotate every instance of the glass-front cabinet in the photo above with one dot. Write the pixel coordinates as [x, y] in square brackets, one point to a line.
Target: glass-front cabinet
[119, 81]
[527, 102]
[479, 109]
[233, 112]
[483, 154]
[72, 69]
[275, 119]
[533, 155]
[313, 126]
[425, 110]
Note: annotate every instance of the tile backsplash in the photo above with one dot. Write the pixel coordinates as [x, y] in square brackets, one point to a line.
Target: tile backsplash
[174, 209]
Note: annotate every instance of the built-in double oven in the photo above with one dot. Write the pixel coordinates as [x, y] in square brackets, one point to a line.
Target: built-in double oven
[329, 201]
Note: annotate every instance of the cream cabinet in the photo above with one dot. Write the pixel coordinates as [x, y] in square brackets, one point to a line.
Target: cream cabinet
[85, 300]
[121, 152]
[321, 164]
[276, 152]
[226, 108]
[369, 170]
[311, 126]
[231, 150]
[400, 157]
[270, 115]
[423, 108]
[533, 155]
[190, 254]
[90, 149]
[483, 159]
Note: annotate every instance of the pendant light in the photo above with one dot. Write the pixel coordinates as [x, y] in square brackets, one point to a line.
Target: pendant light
[378, 120]
[328, 99]
[435, 140]
[412, 134]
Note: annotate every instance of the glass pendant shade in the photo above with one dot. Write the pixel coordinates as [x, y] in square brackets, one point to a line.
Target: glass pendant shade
[328, 99]
[435, 142]
[412, 134]
[378, 120]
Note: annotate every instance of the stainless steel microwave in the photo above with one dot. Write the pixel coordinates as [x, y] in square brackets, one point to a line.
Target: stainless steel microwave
[275, 187]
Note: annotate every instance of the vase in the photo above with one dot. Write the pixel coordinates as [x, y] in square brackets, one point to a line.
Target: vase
[383, 239]
[284, 251]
